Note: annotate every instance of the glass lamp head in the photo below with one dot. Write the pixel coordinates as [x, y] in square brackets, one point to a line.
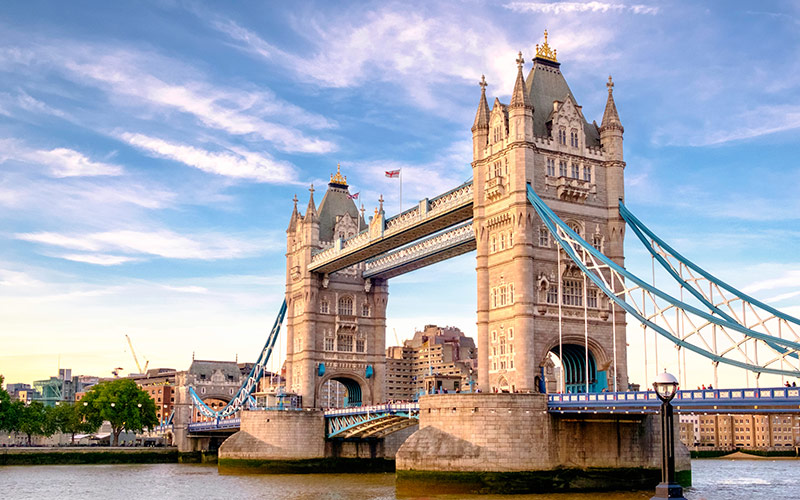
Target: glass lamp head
[665, 385]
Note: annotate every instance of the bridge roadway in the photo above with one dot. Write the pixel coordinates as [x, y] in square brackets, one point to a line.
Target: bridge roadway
[381, 420]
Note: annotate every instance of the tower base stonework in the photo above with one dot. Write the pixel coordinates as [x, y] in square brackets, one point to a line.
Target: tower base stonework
[509, 443]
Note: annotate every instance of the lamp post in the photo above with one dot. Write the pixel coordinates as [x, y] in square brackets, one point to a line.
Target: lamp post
[666, 385]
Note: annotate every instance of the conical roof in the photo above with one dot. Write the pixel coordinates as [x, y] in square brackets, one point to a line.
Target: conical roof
[482, 115]
[335, 203]
[545, 84]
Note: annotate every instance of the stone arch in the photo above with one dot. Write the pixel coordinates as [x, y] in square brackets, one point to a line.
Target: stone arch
[574, 363]
[503, 385]
[358, 391]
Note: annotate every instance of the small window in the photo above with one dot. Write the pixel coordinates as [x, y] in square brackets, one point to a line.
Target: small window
[562, 136]
[551, 167]
[587, 173]
[360, 345]
[365, 309]
[562, 168]
[494, 243]
[510, 239]
[544, 237]
[329, 344]
[597, 242]
[552, 294]
[575, 171]
[591, 297]
[323, 307]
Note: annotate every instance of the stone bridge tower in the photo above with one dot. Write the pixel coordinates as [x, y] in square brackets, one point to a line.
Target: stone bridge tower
[336, 324]
[542, 138]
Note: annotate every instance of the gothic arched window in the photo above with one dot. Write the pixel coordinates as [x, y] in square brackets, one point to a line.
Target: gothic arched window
[345, 306]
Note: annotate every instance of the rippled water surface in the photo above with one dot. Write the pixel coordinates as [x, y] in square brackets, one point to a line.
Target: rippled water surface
[713, 479]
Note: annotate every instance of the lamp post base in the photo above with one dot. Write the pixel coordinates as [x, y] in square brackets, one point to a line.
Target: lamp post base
[669, 490]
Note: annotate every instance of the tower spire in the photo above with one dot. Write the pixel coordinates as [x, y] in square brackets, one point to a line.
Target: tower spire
[610, 115]
[482, 115]
[312, 207]
[520, 99]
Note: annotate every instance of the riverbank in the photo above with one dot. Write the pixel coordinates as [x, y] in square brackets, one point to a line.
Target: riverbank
[100, 455]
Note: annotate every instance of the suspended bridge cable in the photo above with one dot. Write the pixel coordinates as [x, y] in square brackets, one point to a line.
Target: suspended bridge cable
[642, 232]
[554, 224]
[244, 394]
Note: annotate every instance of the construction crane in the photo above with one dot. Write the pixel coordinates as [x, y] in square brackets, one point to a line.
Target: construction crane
[135, 359]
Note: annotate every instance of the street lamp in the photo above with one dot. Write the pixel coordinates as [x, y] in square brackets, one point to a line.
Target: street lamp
[666, 385]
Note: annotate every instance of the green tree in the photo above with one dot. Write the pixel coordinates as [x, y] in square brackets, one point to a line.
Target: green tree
[67, 418]
[6, 411]
[33, 420]
[122, 403]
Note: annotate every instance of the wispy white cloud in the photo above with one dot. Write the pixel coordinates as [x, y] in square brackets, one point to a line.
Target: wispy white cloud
[61, 162]
[233, 111]
[99, 259]
[579, 7]
[424, 54]
[789, 278]
[236, 162]
[162, 243]
[137, 81]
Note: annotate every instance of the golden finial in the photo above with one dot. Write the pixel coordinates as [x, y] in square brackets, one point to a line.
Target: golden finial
[338, 179]
[545, 52]
[610, 84]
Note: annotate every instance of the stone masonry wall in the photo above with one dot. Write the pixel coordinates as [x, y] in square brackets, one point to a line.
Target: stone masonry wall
[480, 432]
[277, 435]
[514, 432]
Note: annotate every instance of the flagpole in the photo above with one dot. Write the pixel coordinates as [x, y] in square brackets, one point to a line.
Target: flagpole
[401, 190]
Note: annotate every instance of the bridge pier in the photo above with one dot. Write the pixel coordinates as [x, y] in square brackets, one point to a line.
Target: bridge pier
[287, 441]
[509, 443]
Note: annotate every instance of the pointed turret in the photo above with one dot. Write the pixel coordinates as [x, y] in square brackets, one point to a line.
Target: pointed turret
[482, 115]
[520, 111]
[611, 129]
[480, 129]
[520, 98]
[311, 210]
[610, 115]
[295, 216]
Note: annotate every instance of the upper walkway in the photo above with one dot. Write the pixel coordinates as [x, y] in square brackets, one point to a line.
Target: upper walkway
[381, 236]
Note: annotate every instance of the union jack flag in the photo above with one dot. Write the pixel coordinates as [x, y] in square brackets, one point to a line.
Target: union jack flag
[353, 196]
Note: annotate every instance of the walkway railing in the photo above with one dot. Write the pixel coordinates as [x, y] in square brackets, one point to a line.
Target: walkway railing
[228, 423]
[768, 400]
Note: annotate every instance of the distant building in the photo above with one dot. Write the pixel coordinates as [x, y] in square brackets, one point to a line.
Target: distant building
[15, 389]
[435, 359]
[215, 382]
[62, 388]
[740, 430]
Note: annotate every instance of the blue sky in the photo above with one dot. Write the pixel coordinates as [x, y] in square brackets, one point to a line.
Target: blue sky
[149, 152]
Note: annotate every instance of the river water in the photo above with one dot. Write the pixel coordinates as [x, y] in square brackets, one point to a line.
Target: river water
[713, 479]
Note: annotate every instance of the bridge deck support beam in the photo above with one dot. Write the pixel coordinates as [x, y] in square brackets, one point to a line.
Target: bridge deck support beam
[509, 443]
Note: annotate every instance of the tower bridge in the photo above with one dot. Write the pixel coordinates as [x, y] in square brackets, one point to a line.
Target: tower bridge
[546, 217]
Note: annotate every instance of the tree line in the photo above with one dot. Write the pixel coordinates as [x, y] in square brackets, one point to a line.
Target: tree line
[120, 402]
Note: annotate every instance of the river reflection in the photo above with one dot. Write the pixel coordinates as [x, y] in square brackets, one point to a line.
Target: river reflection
[713, 479]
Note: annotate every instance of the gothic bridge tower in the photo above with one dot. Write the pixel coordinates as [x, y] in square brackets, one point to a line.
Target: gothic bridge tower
[542, 138]
[336, 323]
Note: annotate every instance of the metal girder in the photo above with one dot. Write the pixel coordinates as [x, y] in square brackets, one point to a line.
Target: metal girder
[370, 421]
[711, 335]
[243, 396]
[455, 241]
